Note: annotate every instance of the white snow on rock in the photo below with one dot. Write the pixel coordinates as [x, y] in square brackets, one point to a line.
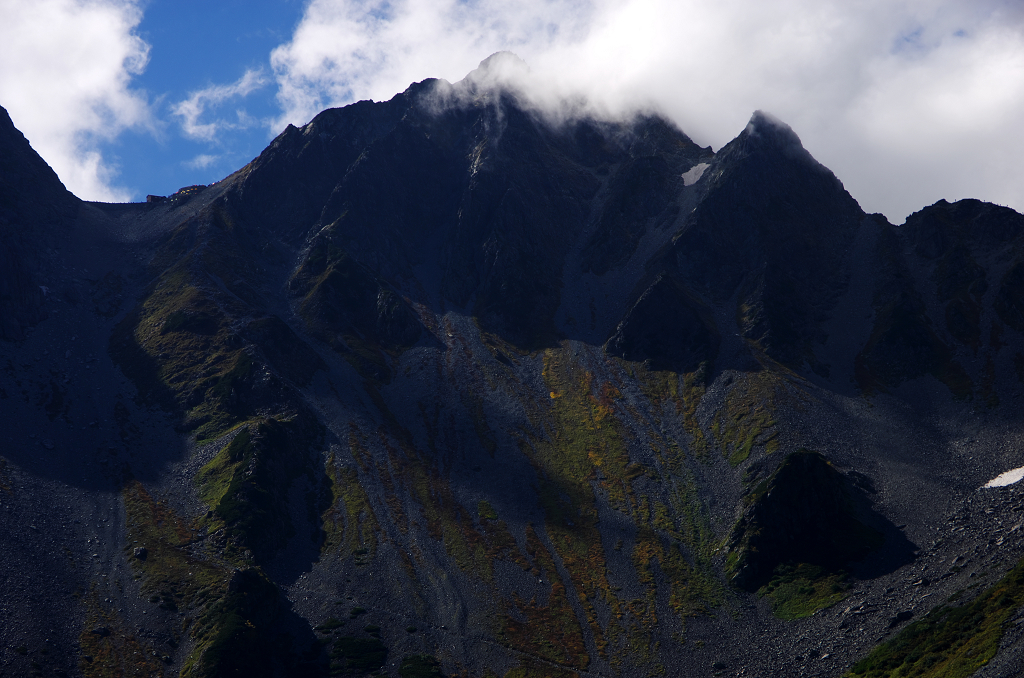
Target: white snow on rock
[693, 175]
[1009, 478]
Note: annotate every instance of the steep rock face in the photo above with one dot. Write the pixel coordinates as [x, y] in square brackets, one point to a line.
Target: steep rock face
[904, 343]
[352, 310]
[641, 193]
[484, 198]
[669, 327]
[772, 231]
[286, 187]
[947, 293]
[969, 246]
[804, 513]
[34, 205]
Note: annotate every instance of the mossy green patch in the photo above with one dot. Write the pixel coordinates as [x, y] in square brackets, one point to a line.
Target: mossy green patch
[246, 484]
[800, 590]
[234, 635]
[584, 448]
[550, 631]
[473, 550]
[357, 656]
[177, 575]
[329, 625]
[237, 611]
[538, 670]
[198, 342]
[683, 391]
[691, 591]
[485, 510]
[349, 522]
[747, 418]
[583, 445]
[949, 642]
[180, 350]
[109, 649]
[420, 666]
[584, 438]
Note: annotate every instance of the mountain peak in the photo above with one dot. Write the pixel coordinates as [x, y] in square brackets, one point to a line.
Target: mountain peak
[766, 131]
[503, 59]
[500, 71]
[763, 122]
[500, 65]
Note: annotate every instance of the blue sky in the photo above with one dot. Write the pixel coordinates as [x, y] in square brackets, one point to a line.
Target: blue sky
[194, 45]
[907, 101]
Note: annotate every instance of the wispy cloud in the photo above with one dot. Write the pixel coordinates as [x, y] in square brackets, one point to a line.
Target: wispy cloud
[191, 110]
[65, 73]
[908, 101]
[201, 161]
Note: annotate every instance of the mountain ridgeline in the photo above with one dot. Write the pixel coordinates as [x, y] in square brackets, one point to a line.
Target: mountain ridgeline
[444, 386]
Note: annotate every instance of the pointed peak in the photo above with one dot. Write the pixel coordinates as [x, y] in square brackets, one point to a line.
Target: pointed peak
[501, 74]
[503, 61]
[498, 71]
[766, 136]
[762, 119]
[768, 129]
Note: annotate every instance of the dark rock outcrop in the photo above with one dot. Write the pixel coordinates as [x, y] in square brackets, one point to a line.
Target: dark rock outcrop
[483, 189]
[903, 343]
[34, 205]
[669, 327]
[805, 513]
[773, 231]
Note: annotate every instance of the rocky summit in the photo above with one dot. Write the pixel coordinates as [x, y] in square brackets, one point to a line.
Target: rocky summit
[448, 385]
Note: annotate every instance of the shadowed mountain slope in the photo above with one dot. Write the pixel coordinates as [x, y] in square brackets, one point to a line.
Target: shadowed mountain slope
[34, 207]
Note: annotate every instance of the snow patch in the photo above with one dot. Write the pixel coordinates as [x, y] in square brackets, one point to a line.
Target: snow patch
[693, 175]
[1009, 478]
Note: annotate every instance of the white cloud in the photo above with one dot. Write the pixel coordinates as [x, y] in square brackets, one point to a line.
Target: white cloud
[344, 50]
[191, 109]
[201, 161]
[908, 101]
[65, 69]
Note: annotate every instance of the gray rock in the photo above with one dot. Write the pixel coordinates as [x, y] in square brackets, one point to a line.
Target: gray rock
[900, 617]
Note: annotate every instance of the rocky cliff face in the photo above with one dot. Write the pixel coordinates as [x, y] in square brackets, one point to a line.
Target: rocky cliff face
[440, 386]
[34, 208]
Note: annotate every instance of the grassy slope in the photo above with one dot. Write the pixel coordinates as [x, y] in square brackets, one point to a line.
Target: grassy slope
[950, 642]
[183, 348]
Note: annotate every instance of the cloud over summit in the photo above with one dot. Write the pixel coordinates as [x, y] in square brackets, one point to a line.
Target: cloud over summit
[907, 101]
